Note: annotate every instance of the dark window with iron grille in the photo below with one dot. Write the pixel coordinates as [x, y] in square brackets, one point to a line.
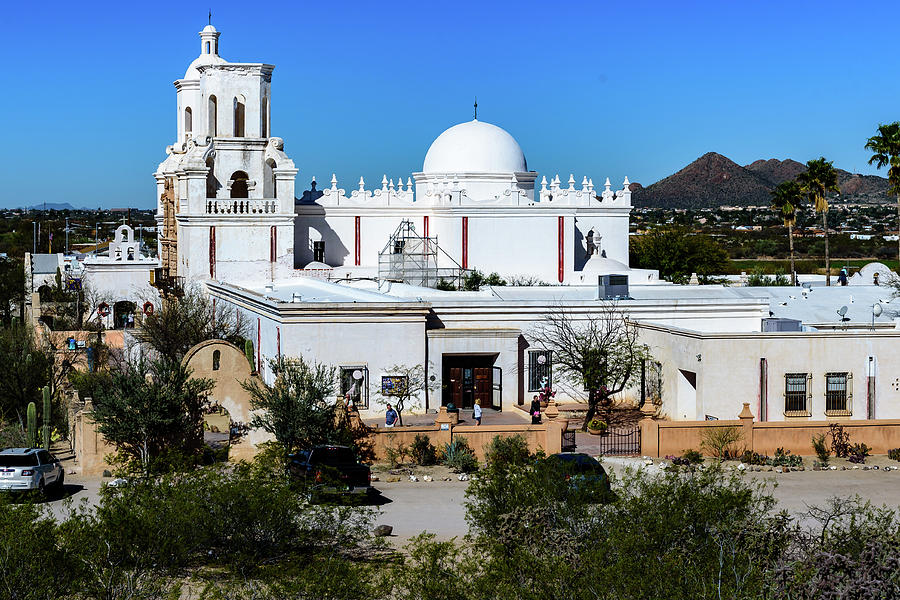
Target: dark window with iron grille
[538, 370]
[355, 384]
[836, 393]
[795, 393]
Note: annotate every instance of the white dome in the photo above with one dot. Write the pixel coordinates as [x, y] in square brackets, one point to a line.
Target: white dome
[475, 147]
[203, 59]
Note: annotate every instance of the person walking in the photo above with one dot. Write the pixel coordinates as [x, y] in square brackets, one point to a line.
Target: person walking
[476, 414]
[535, 411]
[390, 416]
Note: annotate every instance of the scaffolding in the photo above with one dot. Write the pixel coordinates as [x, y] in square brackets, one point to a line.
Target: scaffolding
[413, 259]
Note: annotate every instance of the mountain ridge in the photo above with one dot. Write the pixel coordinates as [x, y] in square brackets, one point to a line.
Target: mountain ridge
[715, 180]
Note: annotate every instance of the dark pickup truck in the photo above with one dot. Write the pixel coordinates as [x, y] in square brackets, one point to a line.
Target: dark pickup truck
[331, 470]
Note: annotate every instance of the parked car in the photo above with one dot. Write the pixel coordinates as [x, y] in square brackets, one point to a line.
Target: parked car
[331, 470]
[583, 473]
[27, 469]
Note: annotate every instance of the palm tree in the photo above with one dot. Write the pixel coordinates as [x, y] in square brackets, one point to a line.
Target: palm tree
[819, 179]
[785, 199]
[886, 149]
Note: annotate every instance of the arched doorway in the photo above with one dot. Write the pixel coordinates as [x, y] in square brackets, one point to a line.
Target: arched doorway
[123, 314]
[239, 188]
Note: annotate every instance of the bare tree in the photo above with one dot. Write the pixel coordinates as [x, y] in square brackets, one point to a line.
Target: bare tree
[597, 352]
[408, 385]
[176, 325]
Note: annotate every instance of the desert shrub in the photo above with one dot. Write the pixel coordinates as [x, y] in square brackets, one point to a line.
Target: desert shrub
[507, 450]
[722, 442]
[821, 448]
[422, 451]
[858, 453]
[894, 454]
[692, 456]
[12, 436]
[784, 458]
[395, 454]
[458, 456]
[754, 458]
[840, 440]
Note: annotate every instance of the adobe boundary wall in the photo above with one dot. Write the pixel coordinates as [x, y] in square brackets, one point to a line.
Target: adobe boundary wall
[546, 437]
[663, 438]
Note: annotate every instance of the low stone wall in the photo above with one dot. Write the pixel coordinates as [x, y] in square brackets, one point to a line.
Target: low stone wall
[91, 448]
[546, 437]
[662, 438]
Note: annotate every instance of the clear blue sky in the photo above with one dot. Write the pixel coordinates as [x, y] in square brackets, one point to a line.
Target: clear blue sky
[362, 88]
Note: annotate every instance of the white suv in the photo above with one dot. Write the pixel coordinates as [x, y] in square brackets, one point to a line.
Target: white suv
[24, 469]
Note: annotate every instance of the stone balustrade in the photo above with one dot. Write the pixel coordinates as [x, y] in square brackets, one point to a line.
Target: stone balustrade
[241, 206]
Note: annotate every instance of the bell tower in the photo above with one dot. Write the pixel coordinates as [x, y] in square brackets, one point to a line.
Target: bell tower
[229, 185]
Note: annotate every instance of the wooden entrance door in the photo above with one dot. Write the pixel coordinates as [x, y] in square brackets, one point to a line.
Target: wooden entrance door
[483, 386]
[456, 386]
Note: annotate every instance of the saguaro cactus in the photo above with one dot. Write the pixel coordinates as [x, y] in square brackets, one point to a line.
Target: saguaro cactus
[46, 416]
[32, 425]
[248, 352]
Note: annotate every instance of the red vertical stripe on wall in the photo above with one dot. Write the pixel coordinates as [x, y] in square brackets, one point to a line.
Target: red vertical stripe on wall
[465, 242]
[259, 345]
[356, 245]
[273, 244]
[562, 255]
[212, 252]
[278, 340]
[425, 224]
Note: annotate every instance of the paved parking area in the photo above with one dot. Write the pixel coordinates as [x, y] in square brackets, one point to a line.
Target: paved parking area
[438, 506]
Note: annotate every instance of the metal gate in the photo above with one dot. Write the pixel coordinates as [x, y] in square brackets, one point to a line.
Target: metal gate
[621, 441]
[497, 389]
[568, 441]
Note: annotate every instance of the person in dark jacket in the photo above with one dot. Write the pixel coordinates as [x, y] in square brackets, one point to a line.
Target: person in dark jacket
[535, 411]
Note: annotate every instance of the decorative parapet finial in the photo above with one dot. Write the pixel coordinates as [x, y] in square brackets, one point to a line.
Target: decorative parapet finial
[334, 182]
[572, 181]
[584, 184]
[384, 183]
[626, 183]
[362, 185]
[544, 183]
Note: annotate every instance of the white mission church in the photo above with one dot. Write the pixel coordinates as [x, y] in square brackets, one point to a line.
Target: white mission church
[348, 277]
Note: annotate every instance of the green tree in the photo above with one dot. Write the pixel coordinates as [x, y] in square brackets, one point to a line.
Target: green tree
[820, 178]
[149, 408]
[885, 148]
[12, 289]
[26, 369]
[786, 197]
[299, 408]
[677, 252]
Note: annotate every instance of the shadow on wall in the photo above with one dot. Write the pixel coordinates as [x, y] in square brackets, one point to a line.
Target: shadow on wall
[580, 248]
[312, 227]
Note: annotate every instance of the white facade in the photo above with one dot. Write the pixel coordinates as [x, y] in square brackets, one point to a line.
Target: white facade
[476, 196]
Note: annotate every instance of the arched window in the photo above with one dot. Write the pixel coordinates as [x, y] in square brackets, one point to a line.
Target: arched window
[188, 120]
[207, 48]
[269, 179]
[239, 185]
[265, 117]
[217, 357]
[239, 116]
[211, 111]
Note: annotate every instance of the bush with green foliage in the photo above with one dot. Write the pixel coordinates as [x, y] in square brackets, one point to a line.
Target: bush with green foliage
[692, 456]
[504, 450]
[422, 451]
[821, 448]
[894, 454]
[458, 456]
[840, 440]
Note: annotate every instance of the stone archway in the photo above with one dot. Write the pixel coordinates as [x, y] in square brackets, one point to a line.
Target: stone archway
[226, 365]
